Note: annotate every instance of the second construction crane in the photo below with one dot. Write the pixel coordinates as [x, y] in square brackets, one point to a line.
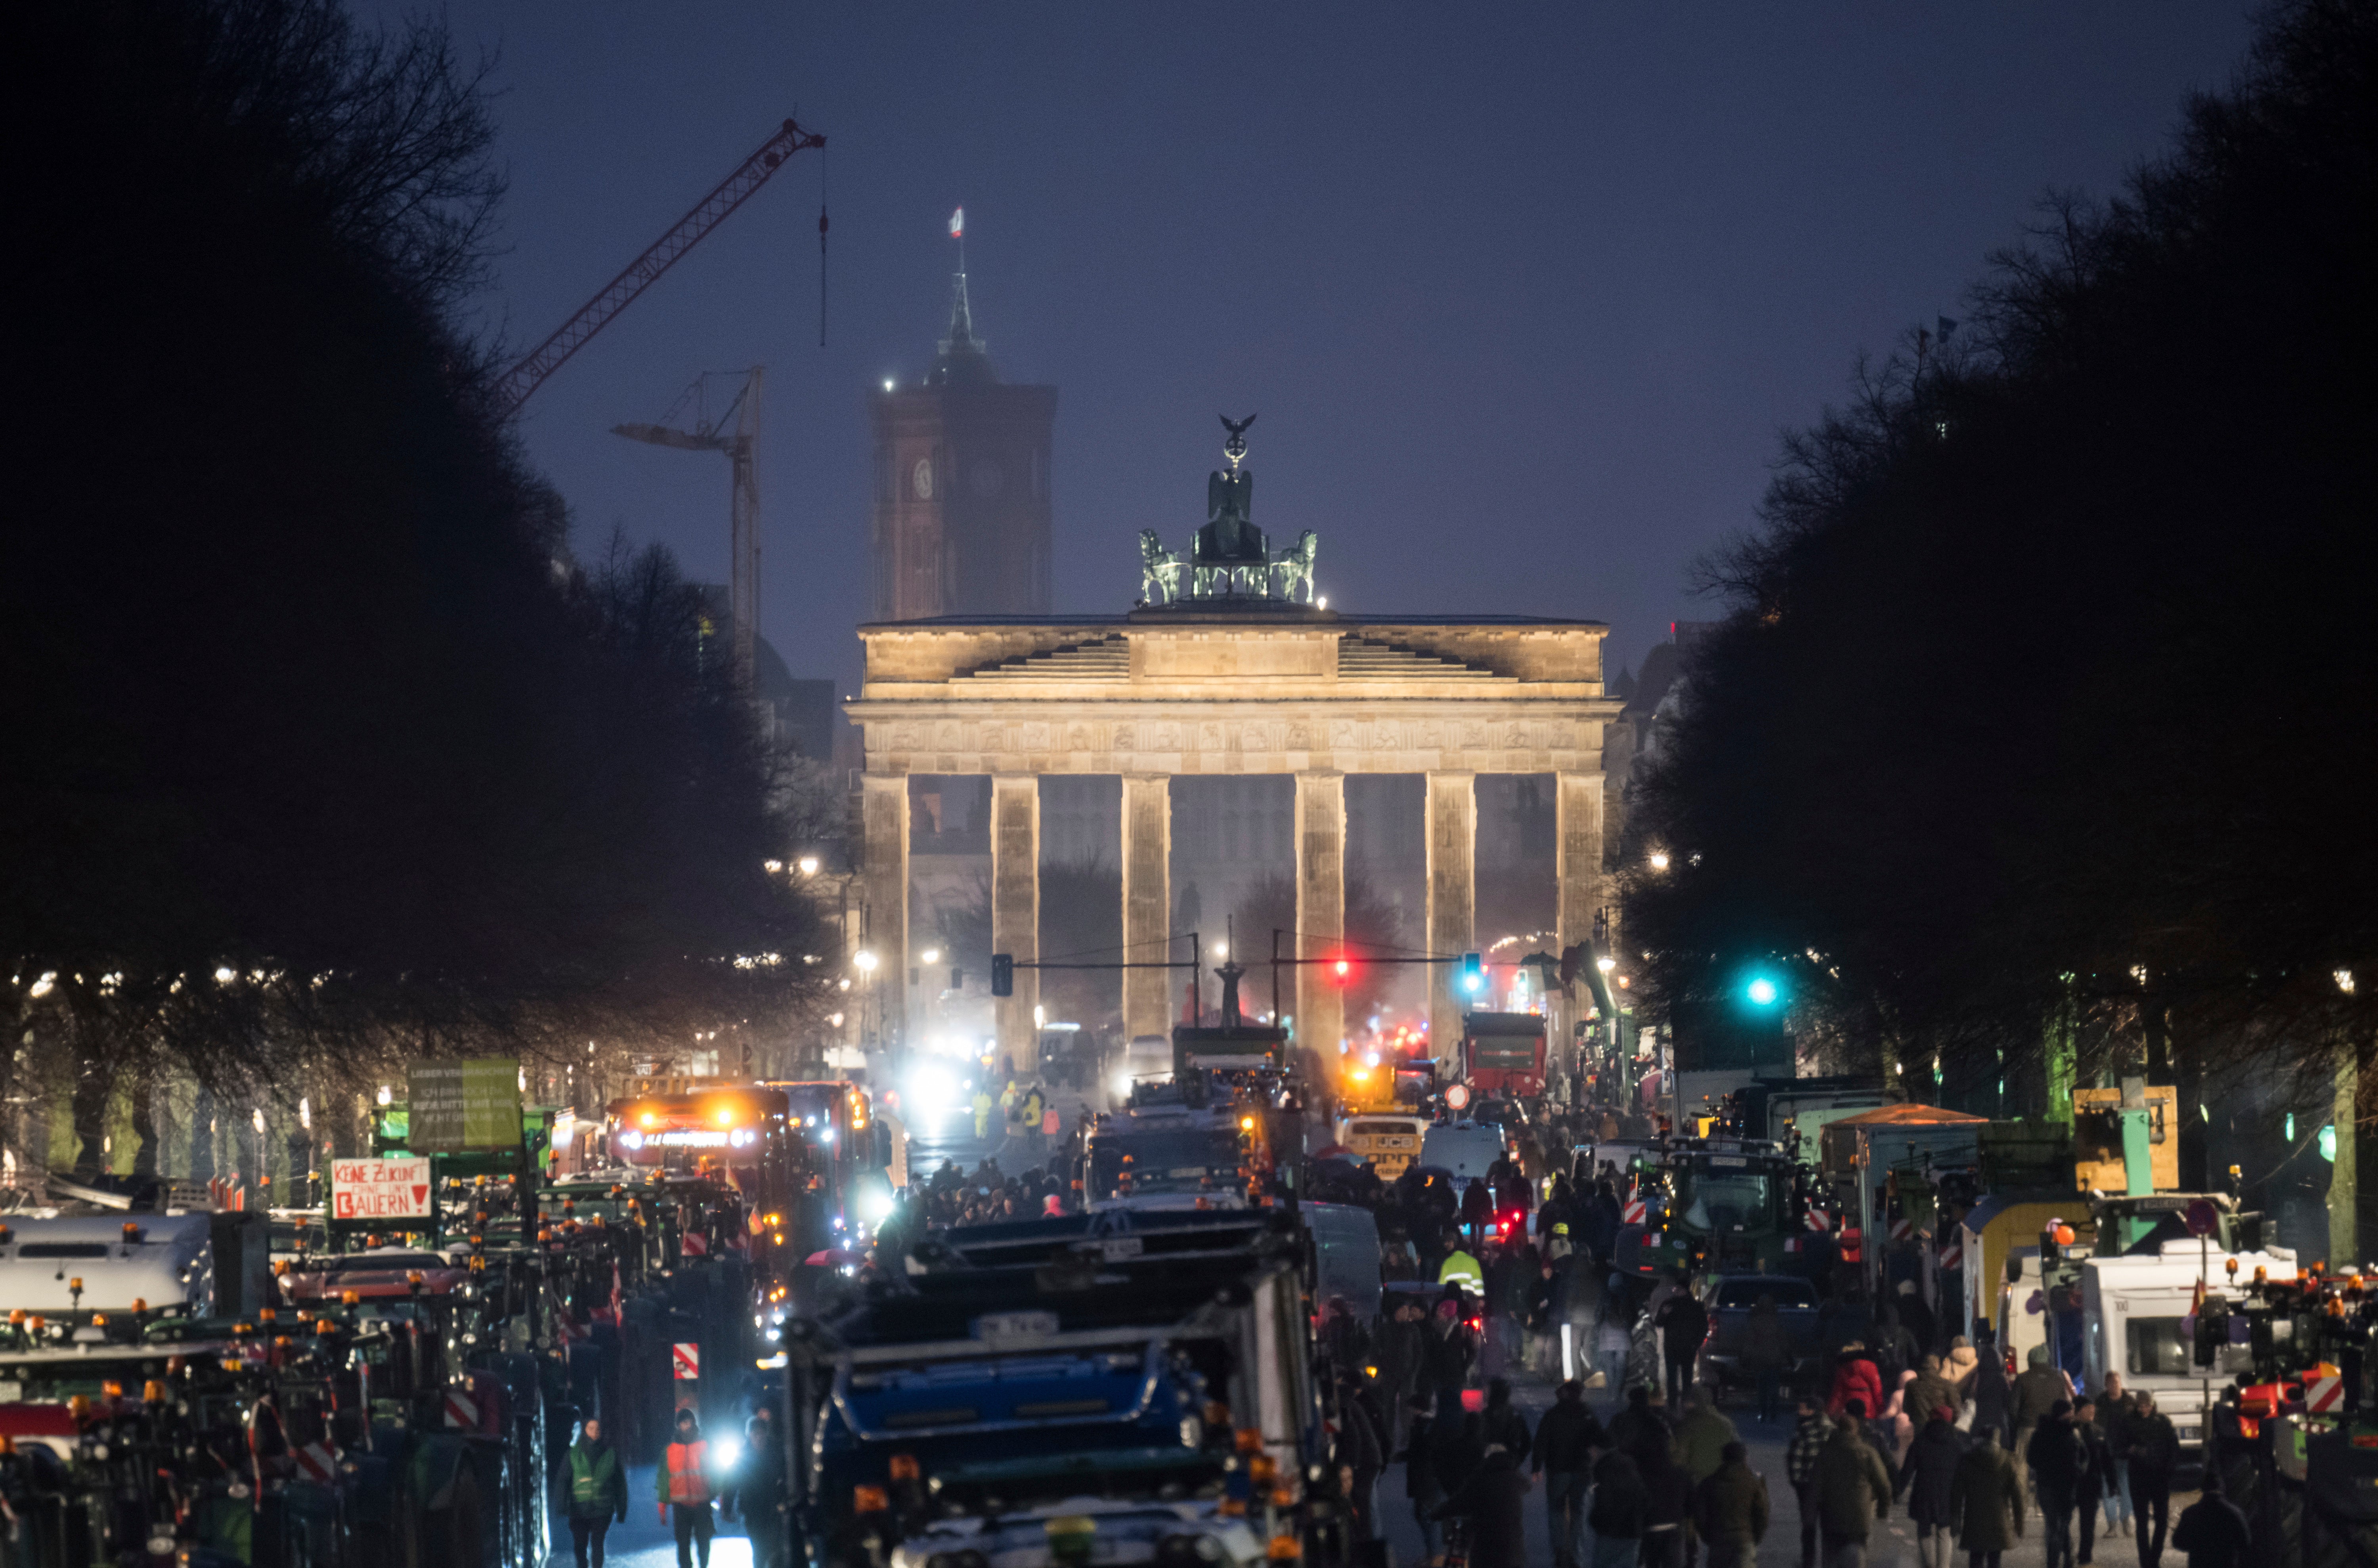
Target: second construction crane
[734, 431]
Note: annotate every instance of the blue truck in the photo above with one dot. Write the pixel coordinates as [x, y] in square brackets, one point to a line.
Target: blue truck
[1117, 1375]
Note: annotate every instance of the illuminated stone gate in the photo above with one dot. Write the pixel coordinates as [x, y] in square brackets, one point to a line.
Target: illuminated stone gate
[1225, 681]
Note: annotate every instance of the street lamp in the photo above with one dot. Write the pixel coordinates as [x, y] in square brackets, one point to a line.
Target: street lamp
[930, 955]
[865, 961]
[808, 864]
[1659, 860]
[1605, 964]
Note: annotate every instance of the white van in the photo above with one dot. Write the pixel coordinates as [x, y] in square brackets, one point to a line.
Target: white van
[1146, 1060]
[1465, 1149]
[2132, 1312]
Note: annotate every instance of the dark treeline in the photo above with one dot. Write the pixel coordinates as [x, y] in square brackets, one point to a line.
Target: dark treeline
[2041, 711]
[300, 685]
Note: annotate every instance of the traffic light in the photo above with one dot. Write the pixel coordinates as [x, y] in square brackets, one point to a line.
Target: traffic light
[1341, 970]
[1002, 974]
[1763, 992]
[1473, 973]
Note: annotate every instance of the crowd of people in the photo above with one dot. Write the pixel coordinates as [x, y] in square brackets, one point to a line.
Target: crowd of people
[1897, 1411]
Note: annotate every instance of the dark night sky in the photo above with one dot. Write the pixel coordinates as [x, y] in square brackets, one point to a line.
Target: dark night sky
[1523, 294]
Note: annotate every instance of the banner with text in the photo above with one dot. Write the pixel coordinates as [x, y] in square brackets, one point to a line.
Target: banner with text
[461, 1105]
[380, 1189]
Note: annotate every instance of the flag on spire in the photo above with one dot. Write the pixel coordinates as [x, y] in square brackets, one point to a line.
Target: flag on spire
[957, 224]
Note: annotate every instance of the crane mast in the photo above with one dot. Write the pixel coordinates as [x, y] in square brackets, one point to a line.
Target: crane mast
[640, 274]
[744, 533]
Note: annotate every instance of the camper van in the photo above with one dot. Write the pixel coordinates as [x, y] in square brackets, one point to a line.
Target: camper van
[2134, 1310]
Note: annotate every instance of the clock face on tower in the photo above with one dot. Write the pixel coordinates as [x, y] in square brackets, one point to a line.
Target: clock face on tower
[923, 479]
[988, 479]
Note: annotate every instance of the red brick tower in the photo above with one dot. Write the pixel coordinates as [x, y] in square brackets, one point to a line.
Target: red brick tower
[961, 519]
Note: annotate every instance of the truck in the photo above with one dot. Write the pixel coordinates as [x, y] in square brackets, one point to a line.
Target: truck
[1124, 1386]
[1794, 1112]
[1503, 1055]
[1166, 1156]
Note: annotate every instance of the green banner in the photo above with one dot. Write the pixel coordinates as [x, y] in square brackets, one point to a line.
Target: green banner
[457, 1107]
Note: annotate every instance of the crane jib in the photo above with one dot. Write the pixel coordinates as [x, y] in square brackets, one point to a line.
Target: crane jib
[644, 270]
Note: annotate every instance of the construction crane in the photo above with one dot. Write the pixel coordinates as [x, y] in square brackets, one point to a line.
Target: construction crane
[642, 272]
[709, 435]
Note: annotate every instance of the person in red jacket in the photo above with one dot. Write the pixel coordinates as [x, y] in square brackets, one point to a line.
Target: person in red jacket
[1856, 1377]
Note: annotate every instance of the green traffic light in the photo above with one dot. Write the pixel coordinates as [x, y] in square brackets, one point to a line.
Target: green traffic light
[1763, 992]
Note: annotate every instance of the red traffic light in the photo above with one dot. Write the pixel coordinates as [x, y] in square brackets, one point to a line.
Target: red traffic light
[1341, 969]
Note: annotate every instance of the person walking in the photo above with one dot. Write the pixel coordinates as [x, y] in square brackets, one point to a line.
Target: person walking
[1505, 1425]
[2095, 1481]
[1565, 1440]
[1698, 1447]
[1993, 1395]
[983, 1106]
[1423, 1485]
[1856, 1379]
[759, 1491]
[1617, 1512]
[1450, 1350]
[1401, 1353]
[1361, 1454]
[1683, 1323]
[2040, 1387]
[1495, 1502]
[1767, 1354]
[1853, 1490]
[682, 1482]
[1668, 1507]
[2059, 1461]
[2114, 1406]
[1985, 1502]
[1927, 1477]
[1730, 1510]
[1800, 1470]
[2154, 1445]
[2213, 1530]
[598, 1493]
[1638, 1428]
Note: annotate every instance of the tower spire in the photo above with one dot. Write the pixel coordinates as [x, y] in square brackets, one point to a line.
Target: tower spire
[964, 357]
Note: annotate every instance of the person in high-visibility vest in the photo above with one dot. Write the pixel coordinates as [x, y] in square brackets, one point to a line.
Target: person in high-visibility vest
[598, 1489]
[1461, 1268]
[683, 1479]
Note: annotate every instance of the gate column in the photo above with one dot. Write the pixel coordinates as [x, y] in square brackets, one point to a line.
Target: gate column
[1320, 910]
[883, 814]
[1146, 904]
[1016, 911]
[1577, 840]
[1452, 821]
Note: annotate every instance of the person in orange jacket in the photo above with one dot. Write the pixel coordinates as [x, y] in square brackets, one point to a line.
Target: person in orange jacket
[683, 1479]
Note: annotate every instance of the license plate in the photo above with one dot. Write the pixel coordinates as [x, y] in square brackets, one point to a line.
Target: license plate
[1015, 1325]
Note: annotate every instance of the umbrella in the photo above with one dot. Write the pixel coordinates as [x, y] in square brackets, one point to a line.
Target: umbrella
[835, 1257]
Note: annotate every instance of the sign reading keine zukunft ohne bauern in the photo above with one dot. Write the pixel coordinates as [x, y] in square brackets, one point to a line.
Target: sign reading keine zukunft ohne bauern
[461, 1106]
[386, 1188]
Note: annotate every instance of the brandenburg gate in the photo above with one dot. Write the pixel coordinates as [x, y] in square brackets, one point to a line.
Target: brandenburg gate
[1224, 667]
